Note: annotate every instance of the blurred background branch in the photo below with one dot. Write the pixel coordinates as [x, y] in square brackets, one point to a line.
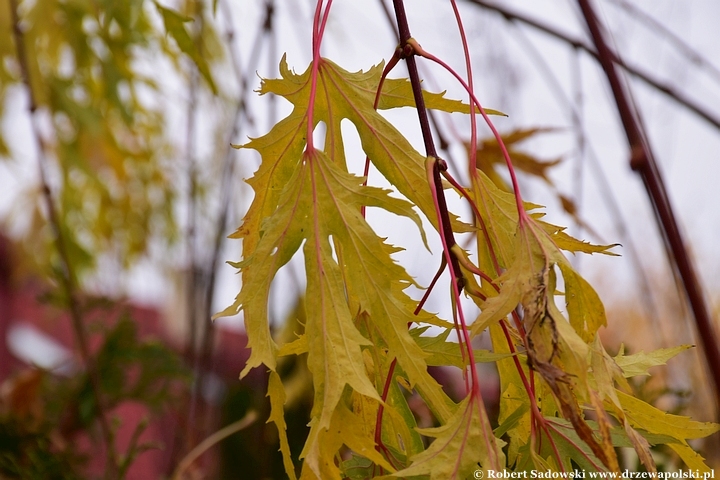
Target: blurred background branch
[118, 188]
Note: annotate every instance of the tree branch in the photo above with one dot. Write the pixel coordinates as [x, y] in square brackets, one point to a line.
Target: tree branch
[67, 276]
[647, 78]
[430, 151]
[643, 161]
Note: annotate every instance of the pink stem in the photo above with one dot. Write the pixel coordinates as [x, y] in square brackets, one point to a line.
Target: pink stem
[471, 87]
[390, 65]
[506, 155]
[318, 31]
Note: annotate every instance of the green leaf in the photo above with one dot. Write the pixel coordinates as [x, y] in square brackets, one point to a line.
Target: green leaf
[514, 400]
[341, 95]
[570, 446]
[693, 460]
[276, 392]
[570, 244]
[311, 198]
[459, 446]
[399, 427]
[397, 92]
[585, 309]
[444, 353]
[175, 26]
[358, 468]
[647, 417]
[639, 363]
[296, 347]
[345, 428]
[512, 421]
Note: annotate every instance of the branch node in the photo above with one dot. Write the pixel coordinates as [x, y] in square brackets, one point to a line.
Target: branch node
[638, 158]
[407, 50]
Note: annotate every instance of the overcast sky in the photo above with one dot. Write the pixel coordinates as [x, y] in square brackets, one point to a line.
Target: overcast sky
[529, 76]
[532, 77]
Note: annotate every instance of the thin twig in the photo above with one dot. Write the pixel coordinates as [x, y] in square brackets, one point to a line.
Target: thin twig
[389, 17]
[656, 27]
[656, 84]
[194, 275]
[210, 441]
[67, 276]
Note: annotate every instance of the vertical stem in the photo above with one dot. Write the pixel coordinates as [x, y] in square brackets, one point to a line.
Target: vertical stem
[319, 22]
[643, 162]
[67, 276]
[194, 277]
[446, 233]
[472, 164]
[430, 151]
[272, 56]
[203, 360]
[404, 29]
[191, 230]
[197, 276]
[576, 115]
[194, 274]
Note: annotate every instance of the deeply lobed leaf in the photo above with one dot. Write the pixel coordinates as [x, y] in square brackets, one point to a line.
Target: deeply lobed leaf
[358, 318]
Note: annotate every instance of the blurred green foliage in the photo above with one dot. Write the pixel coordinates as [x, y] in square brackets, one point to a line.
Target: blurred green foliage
[91, 76]
[42, 414]
[93, 67]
